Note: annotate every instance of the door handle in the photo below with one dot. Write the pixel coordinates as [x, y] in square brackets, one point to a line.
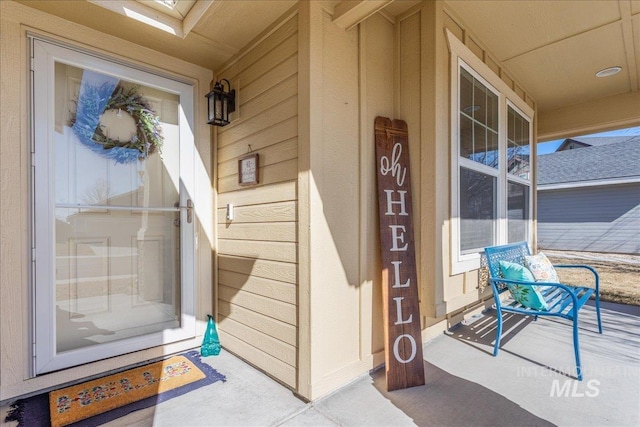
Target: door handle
[189, 209]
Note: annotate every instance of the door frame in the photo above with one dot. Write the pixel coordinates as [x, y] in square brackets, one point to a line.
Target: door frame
[44, 355]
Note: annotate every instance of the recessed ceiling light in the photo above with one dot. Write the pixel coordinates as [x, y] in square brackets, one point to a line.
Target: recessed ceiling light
[471, 109]
[610, 71]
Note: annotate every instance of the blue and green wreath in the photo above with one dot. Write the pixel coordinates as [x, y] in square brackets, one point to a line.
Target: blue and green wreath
[94, 101]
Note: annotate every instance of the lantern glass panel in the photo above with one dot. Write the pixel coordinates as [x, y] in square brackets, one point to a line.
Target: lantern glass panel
[218, 107]
[211, 110]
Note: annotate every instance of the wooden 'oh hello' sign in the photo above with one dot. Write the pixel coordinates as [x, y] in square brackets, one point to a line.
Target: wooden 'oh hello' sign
[403, 350]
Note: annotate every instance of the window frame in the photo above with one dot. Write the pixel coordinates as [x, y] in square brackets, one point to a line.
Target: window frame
[462, 57]
[511, 178]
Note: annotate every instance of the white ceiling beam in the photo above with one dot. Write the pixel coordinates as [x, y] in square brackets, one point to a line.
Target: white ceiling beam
[193, 16]
[629, 44]
[349, 13]
[610, 113]
[150, 16]
[142, 13]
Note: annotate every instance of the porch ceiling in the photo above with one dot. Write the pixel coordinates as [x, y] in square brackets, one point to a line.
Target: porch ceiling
[553, 48]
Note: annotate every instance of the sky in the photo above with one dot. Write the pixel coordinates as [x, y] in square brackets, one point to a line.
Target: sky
[551, 146]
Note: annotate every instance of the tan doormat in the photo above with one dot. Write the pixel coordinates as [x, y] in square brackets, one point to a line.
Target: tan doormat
[101, 400]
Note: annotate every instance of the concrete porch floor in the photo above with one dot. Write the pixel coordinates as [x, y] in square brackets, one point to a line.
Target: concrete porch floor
[531, 382]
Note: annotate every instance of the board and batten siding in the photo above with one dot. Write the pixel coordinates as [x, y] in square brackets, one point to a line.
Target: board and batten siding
[257, 250]
[595, 219]
[422, 98]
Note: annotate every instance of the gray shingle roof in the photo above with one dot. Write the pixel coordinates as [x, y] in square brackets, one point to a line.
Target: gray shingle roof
[615, 160]
[597, 140]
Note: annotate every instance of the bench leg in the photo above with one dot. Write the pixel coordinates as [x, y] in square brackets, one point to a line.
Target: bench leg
[576, 347]
[496, 348]
[598, 313]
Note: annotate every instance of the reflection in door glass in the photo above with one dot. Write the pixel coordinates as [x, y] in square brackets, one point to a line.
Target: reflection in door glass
[116, 188]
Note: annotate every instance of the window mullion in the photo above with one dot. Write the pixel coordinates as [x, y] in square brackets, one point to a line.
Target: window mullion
[502, 187]
[470, 164]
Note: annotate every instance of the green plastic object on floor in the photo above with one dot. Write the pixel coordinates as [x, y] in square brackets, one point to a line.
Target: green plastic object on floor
[211, 342]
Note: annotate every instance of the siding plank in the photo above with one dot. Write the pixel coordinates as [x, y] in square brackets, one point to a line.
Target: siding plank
[281, 271]
[275, 95]
[258, 69]
[280, 72]
[280, 192]
[279, 172]
[272, 308]
[274, 251]
[271, 212]
[274, 232]
[281, 291]
[276, 348]
[252, 125]
[276, 133]
[268, 325]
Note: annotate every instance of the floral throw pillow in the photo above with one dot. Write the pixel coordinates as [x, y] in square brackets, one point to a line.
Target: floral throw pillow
[541, 268]
[529, 296]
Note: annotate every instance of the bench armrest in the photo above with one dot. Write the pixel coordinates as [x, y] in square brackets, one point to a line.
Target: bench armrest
[532, 284]
[565, 288]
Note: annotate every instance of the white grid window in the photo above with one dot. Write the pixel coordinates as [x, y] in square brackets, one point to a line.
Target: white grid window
[491, 130]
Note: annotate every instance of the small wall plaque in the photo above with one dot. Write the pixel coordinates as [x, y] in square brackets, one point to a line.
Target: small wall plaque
[248, 167]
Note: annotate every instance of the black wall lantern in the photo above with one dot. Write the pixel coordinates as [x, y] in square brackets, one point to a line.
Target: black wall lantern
[221, 103]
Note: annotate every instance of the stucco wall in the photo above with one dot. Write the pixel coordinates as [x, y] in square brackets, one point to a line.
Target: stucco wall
[15, 302]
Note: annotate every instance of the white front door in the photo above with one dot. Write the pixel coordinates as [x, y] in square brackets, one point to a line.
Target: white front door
[113, 226]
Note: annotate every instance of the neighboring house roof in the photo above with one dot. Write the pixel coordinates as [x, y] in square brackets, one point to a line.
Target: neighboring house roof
[618, 161]
[592, 141]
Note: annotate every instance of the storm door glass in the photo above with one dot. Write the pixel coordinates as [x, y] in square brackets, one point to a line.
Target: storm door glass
[111, 194]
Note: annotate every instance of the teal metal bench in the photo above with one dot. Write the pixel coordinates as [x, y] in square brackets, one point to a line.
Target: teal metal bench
[562, 300]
